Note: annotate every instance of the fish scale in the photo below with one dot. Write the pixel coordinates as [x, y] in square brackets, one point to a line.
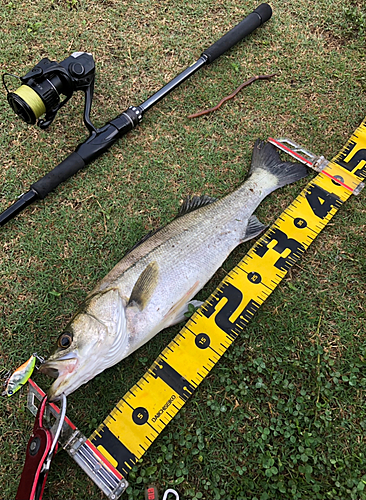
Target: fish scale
[142, 414]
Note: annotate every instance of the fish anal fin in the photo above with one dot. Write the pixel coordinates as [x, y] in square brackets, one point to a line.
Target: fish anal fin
[145, 286]
[176, 312]
[254, 228]
[181, 316]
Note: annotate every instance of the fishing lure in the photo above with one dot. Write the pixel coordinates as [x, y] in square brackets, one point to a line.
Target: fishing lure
[21, 375]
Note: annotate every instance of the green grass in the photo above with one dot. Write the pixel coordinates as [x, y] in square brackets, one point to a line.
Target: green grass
[282, 415]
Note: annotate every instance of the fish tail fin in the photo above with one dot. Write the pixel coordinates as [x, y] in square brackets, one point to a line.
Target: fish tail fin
[266, 159]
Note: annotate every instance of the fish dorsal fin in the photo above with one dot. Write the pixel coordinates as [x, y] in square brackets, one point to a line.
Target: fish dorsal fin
[145, 286]
[254, 228]
[193, 203]
[189, 205]
[144, 238]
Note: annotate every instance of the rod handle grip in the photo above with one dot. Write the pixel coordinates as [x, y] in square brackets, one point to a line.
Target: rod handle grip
[63, 171]
[95, 145]
[255, 19]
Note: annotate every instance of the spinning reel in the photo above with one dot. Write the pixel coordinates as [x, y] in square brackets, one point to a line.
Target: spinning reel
[43, 85]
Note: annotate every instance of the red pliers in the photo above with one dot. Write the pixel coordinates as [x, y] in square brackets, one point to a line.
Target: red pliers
[41, 447]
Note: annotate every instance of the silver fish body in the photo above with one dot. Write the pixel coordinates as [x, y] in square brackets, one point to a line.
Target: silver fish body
[150, 288]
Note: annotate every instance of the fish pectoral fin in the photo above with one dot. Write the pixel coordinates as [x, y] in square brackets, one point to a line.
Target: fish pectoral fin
[144, 286]
[181, 316]
[254, 228]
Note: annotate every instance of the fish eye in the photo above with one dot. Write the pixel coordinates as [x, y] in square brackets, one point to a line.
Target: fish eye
[65, 340]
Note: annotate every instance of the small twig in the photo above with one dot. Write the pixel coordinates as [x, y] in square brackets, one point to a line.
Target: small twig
[104, 218]
[233, 94]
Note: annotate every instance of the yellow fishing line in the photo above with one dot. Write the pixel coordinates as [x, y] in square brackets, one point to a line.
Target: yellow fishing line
[32, 99]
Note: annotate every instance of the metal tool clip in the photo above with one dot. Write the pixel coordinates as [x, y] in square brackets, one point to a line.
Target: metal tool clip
[317, 163]
[40, 450]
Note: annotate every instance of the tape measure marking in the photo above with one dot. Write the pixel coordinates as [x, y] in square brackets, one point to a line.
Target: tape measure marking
[142, 414]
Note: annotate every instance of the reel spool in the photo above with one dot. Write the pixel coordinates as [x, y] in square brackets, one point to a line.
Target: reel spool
[43, 85]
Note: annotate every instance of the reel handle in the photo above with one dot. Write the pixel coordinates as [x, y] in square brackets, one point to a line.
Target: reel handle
[255, 19]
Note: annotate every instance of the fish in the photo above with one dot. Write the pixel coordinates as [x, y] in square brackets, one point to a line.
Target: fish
[20, 376]
[151, 287]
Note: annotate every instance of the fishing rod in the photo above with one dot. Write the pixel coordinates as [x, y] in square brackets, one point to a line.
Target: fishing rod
[40, 92]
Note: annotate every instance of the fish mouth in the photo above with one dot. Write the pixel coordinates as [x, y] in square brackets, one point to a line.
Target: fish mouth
[62, 370]
[49, 371]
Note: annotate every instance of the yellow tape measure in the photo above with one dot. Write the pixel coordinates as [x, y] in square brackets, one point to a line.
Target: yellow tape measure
[145, 410]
